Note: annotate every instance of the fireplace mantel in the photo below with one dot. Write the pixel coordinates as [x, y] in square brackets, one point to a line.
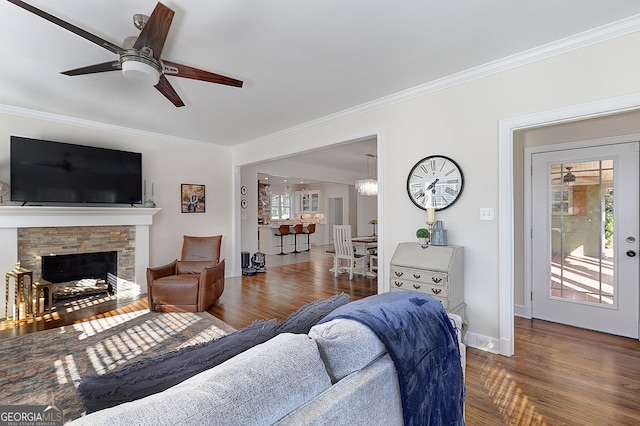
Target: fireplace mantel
[13, 218]
[37, 216]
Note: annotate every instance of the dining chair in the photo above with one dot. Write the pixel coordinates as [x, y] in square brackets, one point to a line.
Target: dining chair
[344, 251]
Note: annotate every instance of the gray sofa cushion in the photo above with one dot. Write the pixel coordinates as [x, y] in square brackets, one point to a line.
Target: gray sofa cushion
[157, 373]
[307, 316]
[256, 387]
[369, 397]
[346, 346]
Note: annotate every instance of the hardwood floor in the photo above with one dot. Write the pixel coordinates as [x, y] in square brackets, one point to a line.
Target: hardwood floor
[559, 376]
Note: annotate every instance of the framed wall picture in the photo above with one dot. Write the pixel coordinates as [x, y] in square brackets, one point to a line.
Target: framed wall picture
[192, 198]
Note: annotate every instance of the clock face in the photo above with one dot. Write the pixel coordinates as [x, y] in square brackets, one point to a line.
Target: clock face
[435, 181]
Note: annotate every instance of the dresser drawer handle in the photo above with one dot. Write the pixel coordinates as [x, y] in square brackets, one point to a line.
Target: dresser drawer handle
[398, 273]
[416, 276]
[398, 283]
[436, 290]
[436, 280]
[416, 286]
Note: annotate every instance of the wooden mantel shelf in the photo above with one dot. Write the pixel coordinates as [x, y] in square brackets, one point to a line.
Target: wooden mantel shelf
[37, 216]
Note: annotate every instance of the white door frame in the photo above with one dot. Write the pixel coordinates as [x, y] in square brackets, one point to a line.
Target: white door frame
[506, 129]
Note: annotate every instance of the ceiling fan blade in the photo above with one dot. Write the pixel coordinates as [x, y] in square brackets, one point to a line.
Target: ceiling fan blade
[92, 69]
[168, 91]
[197, 74]
[155, 31]
[70, 27]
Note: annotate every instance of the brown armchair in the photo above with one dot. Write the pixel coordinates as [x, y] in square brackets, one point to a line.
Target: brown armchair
[191, 284]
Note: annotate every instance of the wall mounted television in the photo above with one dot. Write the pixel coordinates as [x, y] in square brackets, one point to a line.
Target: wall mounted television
[55, 172]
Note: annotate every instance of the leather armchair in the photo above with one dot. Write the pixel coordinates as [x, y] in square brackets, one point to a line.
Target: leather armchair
[191, 284]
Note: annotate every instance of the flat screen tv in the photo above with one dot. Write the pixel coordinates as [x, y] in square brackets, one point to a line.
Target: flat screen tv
[55, 172]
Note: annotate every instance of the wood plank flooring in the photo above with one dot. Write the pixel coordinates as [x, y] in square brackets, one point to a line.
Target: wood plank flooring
[559, 376]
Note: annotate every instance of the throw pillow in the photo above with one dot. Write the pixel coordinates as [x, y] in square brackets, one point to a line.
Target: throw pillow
[301, 321]
[157, 373]
[346, 346]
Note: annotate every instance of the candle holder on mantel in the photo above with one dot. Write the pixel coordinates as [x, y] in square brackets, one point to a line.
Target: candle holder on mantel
[22, 303]
[148, 203]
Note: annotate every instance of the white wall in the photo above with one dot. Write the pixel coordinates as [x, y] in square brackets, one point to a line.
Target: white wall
[461, 122]
[166, 162]
[367, 210]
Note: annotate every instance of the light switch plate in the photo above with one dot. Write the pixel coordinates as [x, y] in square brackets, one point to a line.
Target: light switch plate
[487, 213]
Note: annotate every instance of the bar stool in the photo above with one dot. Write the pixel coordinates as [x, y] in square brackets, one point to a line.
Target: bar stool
[296, 230]
[283, 230]
[311, 228]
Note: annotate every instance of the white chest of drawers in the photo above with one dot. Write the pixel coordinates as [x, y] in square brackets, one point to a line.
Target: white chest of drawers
[434, 270]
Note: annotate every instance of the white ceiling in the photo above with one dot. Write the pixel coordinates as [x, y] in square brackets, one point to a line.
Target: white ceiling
[299, 60]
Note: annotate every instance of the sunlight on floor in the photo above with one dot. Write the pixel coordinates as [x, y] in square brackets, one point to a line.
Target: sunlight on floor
[115, 350]
[515, 408]
[582, 278]
[91, 328]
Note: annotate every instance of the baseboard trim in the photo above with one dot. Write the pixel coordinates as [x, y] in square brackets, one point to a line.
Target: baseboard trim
[522, 311]
[482, 342]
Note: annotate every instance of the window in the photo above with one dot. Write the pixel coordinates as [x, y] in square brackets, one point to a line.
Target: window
[280, 206]
[561, 201]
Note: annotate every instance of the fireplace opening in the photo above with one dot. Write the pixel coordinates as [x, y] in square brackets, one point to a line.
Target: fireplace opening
[81, 274]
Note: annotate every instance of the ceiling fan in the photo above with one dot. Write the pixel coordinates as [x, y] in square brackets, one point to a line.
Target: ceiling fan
[139, 57]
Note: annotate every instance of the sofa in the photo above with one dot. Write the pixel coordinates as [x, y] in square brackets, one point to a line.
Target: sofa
[339, 373]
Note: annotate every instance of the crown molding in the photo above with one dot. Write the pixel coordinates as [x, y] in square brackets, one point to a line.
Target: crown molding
[568, 44]
[558, 47]
[79, 122]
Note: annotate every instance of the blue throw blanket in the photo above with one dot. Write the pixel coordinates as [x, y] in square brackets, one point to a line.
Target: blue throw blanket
[420, 339]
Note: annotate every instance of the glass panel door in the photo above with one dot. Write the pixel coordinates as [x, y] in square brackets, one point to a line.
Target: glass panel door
[582, 250]
[584, 238]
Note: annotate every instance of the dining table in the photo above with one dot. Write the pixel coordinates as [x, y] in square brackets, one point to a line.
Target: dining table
[365, 245]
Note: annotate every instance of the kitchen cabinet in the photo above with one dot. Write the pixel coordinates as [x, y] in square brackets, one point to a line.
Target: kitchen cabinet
[308, 202]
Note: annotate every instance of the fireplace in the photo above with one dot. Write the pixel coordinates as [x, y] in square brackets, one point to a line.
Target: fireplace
[27, 233]
[37, 244]
[81, 274]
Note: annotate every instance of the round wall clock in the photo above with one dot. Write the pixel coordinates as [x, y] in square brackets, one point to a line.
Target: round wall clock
[435, 181]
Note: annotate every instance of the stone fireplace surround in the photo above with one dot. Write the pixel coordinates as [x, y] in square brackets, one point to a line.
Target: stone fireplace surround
[82, 221]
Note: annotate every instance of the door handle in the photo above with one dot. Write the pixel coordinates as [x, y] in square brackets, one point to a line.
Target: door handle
[631, 253]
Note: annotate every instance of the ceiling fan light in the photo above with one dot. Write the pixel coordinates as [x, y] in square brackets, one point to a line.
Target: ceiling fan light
[140, 72]
[569, 178]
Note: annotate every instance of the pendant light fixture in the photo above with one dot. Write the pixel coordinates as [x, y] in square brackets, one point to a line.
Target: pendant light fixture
[368, 186]
[267, 188]
[287, 190]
